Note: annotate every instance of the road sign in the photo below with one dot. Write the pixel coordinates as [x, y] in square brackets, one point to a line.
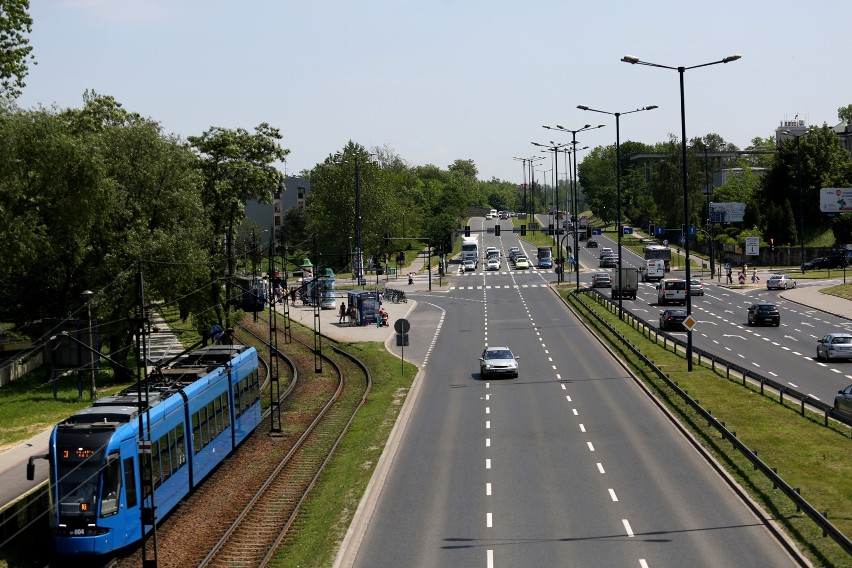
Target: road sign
[402, 326]
[628, 230]
[661, 230]
[693, 230]
[689, 322]
[752, 246]
[401, 339]
[596, 230]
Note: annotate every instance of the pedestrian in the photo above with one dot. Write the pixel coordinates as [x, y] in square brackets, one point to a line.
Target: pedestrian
[730, 275]
[754, 276]
[342, 312]
[293, 296]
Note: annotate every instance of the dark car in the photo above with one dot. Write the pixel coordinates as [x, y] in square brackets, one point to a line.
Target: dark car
[592, 243]
[825, 263]
[672, 318]
[764, 313]
[843, 400]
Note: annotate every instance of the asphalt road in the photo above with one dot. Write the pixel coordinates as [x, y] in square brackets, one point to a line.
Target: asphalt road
[571, 463]
[786, 354]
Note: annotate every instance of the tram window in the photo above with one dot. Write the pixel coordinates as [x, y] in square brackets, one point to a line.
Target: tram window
[196, 431]
[211, 417]
[181, 449]
[165, 457]
[155, 464]
[238, 408]
[226, 415]
[205, 435]
[246, 394]
[130, 482]
[112, 486]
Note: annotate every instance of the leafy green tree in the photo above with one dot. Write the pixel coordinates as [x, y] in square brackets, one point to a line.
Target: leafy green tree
[845, 113]
[236, 165]
[15, 49]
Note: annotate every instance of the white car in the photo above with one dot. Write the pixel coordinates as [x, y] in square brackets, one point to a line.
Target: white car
[498, 361]
[780, 282]
[492, 264]
[469, 265]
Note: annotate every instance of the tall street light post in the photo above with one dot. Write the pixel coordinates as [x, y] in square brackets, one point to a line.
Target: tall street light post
[617, 116]
[636, 61]
[93, 390]
[528, 164]
[554, 147]
[574, 189]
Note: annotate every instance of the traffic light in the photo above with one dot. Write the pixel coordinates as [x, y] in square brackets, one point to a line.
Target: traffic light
[651, 230]
[772, 245]
[496, 230]
[589, 232]
[550, 229]
[387, 240]
[467, 230]
[523, 230]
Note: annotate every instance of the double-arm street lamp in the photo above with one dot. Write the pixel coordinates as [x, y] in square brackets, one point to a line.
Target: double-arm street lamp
[617, 116]
[636, 61]
[574, 189]
[554, 147]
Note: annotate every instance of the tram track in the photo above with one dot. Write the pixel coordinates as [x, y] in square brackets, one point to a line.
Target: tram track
[246, 491]
[263, 524]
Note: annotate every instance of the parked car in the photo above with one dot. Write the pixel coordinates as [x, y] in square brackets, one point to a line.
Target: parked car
[498, 361]
[825, 263]
[780, 282]
[843, 400]
[521, 263]
[601, 280]
[591, 243]
[696, 287]
[672, 319]
[764, 313]
[834, 346]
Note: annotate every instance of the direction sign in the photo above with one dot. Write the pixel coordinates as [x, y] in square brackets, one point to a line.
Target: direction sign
[693, 230]
[596, 230]
[628, 230]
[689, 322]
[661, 230]
[402, 326]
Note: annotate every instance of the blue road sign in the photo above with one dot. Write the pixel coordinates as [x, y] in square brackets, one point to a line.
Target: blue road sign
[661, 230]
[693, 230]
[596, 231]
[628, 230]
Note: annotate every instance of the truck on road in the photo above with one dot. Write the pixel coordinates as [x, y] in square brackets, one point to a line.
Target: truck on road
[545, 257]
[626, 278]
[470, 250]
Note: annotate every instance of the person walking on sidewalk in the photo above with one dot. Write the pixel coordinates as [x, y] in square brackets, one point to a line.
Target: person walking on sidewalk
[342, 312]
[754, 276]
[730, 275]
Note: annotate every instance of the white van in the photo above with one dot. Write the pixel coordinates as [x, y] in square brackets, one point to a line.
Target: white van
[671, 291]
[654, 270]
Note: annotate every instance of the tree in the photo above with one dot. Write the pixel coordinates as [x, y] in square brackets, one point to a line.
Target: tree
[15, 49]
[845, 114]
[236, 166]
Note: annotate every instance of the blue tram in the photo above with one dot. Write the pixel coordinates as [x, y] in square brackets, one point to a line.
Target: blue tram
[199, 410]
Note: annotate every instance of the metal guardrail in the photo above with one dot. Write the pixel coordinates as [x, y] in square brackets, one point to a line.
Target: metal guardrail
[819, 518]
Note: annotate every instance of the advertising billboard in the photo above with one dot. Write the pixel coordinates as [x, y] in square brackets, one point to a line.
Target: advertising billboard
[727, 212]
[835, 199]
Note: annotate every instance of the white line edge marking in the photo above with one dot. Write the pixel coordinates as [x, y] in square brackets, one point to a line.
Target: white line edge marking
[627, 527]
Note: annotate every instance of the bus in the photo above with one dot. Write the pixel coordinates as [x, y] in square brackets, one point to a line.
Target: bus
[661, 252]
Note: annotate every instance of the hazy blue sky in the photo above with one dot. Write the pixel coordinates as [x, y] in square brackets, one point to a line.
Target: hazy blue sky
[442, 80]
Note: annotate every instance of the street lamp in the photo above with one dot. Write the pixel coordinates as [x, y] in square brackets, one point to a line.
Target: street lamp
[527, 161]
[799, 183]
[93, 390]
[617, 116]
[574, 150]
[555, 148]
[543, 172]
[636, 61]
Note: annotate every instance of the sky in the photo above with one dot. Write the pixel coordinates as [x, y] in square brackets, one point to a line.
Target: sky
[440, 80]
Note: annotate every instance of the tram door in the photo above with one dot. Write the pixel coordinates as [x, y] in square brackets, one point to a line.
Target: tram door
[128, 528]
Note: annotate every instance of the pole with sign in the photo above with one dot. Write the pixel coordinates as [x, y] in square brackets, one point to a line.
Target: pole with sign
[402, 326]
